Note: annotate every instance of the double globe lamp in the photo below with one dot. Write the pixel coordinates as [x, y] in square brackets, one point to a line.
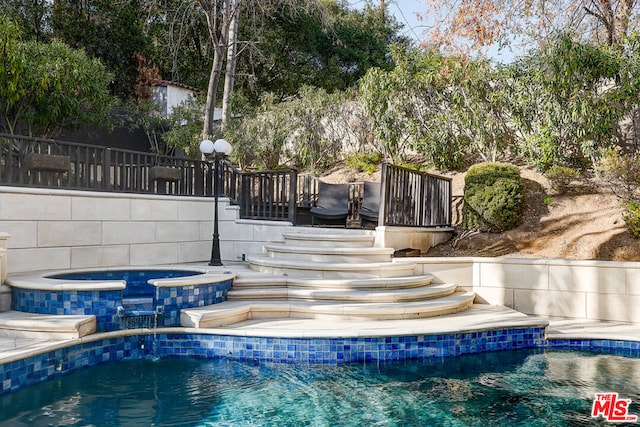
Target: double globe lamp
[219, 149]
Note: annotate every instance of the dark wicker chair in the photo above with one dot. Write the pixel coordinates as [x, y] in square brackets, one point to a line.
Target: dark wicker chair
[332, 207]
[370, 209]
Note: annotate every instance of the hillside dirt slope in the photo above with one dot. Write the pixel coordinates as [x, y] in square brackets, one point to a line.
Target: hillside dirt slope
[585, 223]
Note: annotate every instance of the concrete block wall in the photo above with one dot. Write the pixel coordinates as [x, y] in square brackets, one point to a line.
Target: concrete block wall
[411, 237]
[3, 256]
[5, 291]
[60, 229]
[592, 290]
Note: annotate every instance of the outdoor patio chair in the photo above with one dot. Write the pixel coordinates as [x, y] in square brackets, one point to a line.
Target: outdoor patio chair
[370, 208]
[332, 207]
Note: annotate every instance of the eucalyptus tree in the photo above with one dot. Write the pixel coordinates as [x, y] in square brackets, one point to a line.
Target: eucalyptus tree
[445, 107]
[568, 98]
[222, 25]
[276, 45]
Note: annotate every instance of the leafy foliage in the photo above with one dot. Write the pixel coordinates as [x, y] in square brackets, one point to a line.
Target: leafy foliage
[45, 88]
[33, 16]
[632, 218]
[314, 110]
[185, 127]
[300, 131]
[364, 162]
[180, 47]
[451, 106]
[622, 173]
[567, 100]
[299, 48]
[259, 139]
[493, 197]
[110, 30]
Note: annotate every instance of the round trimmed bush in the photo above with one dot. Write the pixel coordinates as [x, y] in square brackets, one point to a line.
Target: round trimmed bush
[493, 197]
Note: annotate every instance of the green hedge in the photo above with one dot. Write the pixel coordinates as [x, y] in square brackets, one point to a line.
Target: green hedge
[493, 197]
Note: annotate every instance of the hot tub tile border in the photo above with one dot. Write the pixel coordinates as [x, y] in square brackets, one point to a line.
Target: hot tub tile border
[104, 303]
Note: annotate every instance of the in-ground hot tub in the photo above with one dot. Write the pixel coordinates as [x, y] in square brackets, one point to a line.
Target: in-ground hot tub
[121, 298]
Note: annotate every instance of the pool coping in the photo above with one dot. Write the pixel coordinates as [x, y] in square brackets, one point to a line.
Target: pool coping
[43, 281]
[290, 328]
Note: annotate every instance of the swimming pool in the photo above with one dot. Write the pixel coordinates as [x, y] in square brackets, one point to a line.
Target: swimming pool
[525, 387]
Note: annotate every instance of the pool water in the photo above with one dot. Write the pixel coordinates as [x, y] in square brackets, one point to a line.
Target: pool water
[518, 388]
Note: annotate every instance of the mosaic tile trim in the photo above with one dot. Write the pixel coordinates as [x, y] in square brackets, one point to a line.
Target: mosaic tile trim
[618, 347]
[174, 299]
[331, 351]
[102, 304]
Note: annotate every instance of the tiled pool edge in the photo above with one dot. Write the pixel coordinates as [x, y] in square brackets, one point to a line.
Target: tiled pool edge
[64, 359]
[620, 347]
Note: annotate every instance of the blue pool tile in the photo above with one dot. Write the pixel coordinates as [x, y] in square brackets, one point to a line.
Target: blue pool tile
[286, 350]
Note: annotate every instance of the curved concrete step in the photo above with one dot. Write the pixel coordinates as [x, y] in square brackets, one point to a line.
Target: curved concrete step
[253, 281]
[338, 254]
[230, 312]
[329, 270]
[344, 295]
[314, 239]
[18, 324]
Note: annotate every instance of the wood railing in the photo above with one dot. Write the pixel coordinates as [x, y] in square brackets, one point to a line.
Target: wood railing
[268, 195]
[409, 198]
[414, 199]
[37, 162]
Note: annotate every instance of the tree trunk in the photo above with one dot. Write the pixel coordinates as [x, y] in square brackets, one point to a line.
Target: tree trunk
[219, 42]
[212, 92]
[230, 72]
[621, 20]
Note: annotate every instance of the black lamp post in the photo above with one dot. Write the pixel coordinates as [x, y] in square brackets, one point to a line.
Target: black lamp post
[219, 149]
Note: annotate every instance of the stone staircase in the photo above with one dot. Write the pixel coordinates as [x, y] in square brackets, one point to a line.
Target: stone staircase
[333, 275]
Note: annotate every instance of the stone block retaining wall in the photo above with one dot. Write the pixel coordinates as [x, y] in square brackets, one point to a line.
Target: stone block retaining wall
[593, 290]
[60, 229]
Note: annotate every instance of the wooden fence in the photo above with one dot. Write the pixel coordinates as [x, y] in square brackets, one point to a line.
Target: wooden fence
[409, 198]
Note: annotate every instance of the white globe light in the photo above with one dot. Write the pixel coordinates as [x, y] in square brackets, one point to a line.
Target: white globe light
[206, 147]
[221, 146]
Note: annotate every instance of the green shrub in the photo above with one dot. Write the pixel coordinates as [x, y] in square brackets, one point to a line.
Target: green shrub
[622, 173]
[560, 177]
[364, 162]
[493, 197]
[632, 218]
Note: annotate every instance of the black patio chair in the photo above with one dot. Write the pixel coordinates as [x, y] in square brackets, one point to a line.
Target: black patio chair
[370, 208]
[332, 207]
